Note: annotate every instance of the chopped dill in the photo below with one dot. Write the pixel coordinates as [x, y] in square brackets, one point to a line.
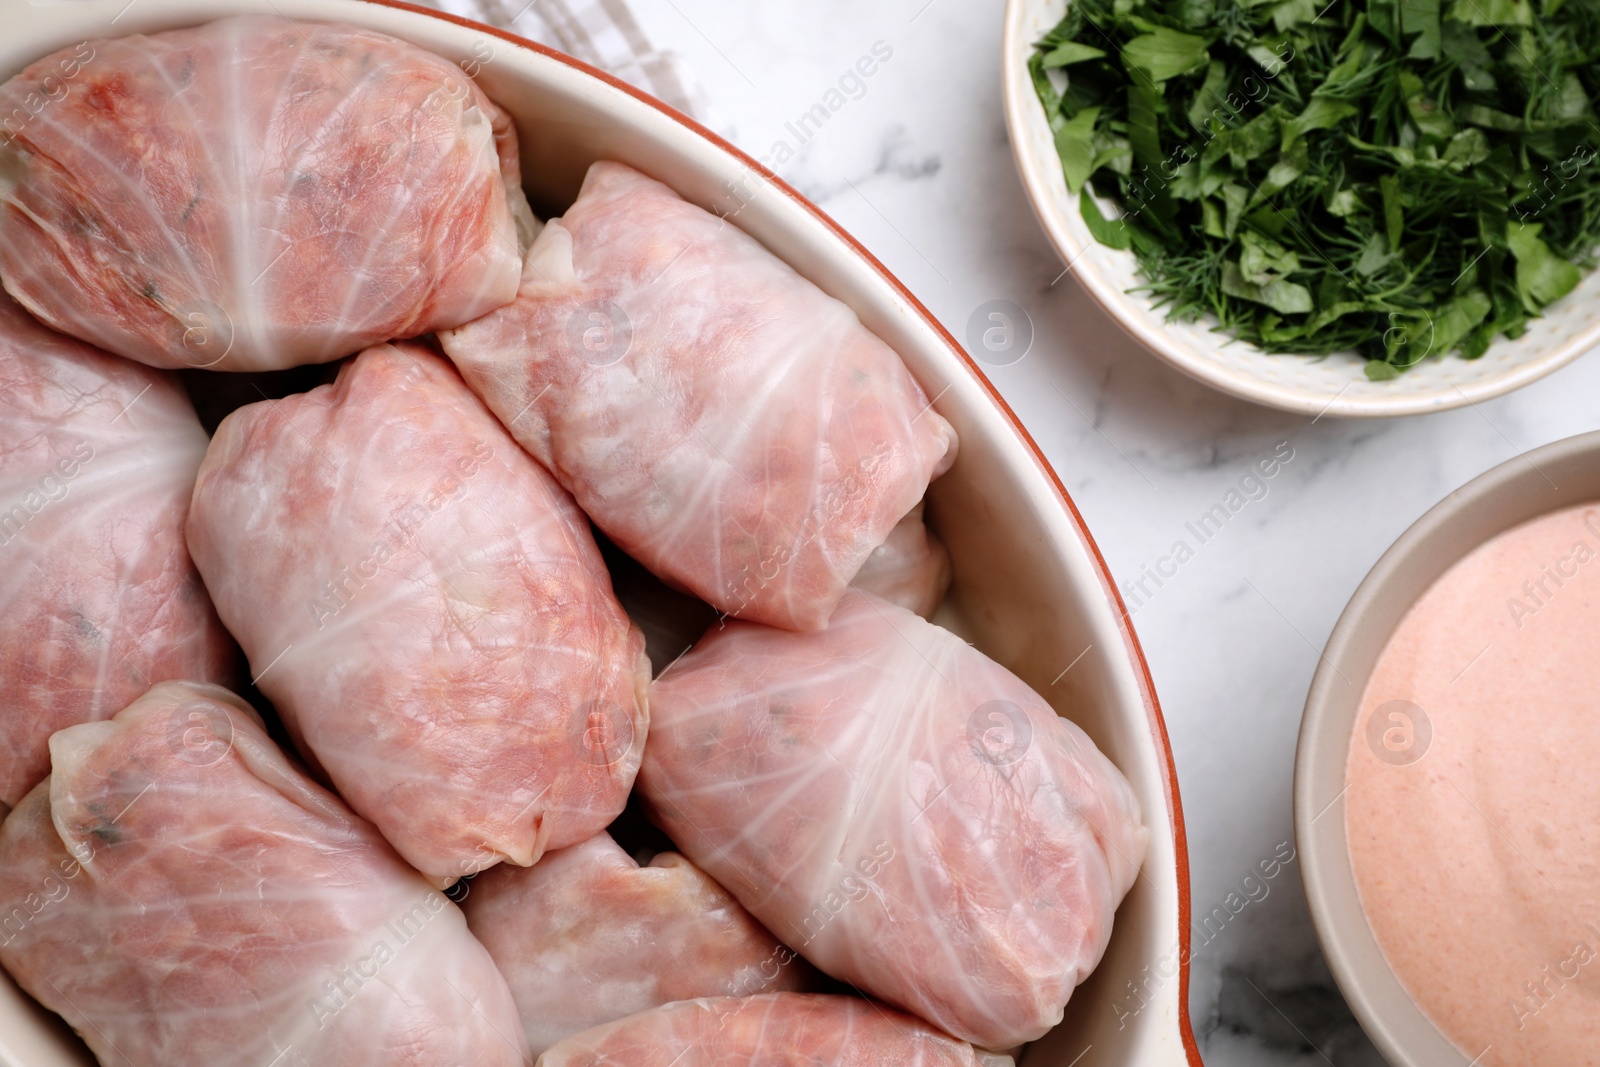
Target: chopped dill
[1398, 178]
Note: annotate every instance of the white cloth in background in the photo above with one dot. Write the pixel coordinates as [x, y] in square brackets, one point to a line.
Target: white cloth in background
[602, 33]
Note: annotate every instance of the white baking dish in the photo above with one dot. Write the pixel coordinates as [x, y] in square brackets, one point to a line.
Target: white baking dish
[1031, 588]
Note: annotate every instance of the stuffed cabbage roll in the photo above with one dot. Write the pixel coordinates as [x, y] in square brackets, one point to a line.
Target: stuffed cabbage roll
[317, 189]
[587, 936]
[182, 894]
[98, 598]
[774, 1030]
[723, 420]
[911, 568]
[899, 808]
[428, 611]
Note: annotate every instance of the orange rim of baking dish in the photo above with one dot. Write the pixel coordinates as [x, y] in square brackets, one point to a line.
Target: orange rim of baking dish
[1147, 689]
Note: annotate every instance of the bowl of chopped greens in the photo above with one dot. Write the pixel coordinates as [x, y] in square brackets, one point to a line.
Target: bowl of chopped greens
[1355, 207]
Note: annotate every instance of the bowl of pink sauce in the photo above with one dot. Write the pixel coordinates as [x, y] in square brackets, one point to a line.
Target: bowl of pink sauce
[1447, 783]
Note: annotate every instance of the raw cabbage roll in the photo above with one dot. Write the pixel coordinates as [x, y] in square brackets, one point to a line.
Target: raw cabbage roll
[184, 895]
[723, 420]
[427, 610]
[775, 1030]
[911, 568]
[900, 809]
[255, 193]
[98, 598]
[587, 936]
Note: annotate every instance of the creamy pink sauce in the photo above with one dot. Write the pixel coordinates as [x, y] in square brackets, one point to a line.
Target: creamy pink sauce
[1478, 863]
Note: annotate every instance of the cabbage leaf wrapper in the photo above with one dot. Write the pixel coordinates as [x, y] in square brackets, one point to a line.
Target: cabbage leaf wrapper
[184, 896]
[911, 568]
[98, 597]
[902, 810]
[772, 1030]
[724, 421]
[255, 193]
[428, 612]
[587, 936]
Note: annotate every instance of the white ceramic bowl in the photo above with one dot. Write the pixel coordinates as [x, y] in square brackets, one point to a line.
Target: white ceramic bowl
[1031, 588]
[1336, 385]
[1560, 475]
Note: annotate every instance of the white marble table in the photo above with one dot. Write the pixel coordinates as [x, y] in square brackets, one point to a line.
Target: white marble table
[916, 164]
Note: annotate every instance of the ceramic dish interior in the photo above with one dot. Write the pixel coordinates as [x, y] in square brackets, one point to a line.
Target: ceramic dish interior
[1031, 588]
[1335, 386]
[1560, 475]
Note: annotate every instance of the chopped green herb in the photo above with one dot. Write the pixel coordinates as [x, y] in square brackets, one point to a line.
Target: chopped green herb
[1070, 53]
[1397, 178]
[1110, 232]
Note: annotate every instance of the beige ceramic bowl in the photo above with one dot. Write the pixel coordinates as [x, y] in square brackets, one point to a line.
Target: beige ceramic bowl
[1031, 588]
[1333, 386]
[1564, 474]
